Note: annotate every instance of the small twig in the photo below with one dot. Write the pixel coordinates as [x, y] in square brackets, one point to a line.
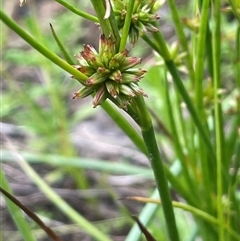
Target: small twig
[32, 215]
[146, 233]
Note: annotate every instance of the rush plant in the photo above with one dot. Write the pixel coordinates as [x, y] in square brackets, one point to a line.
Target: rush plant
[199, 113]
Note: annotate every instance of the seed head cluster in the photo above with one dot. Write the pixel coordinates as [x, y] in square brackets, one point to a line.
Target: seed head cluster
[142, 17]
[110, 75]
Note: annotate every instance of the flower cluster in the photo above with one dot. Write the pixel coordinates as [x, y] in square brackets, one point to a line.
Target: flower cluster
[142, 17]
[110, 75]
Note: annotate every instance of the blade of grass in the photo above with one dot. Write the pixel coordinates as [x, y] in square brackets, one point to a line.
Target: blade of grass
[238, 58]
[182, 38]
[163, 50]
[61, 47]
[98, 165]
[216, 43]
[178, 148]
[207, 169]
[76, 162]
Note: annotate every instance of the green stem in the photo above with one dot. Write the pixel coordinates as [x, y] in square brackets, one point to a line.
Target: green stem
[216, 43]
[182, 38]
[42, 49]
[177, 145]
[199, 77]
[61, 47]
[108, 25]
[157, 167]
[163, 50]
[199, 72]
[150, 42]
[126, 26]
[177, 79]
[238, 58]
[77, 11]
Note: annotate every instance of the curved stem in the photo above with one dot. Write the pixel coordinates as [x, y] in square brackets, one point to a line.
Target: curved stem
[77, 11]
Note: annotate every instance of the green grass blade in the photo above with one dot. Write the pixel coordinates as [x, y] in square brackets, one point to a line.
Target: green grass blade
[85, 163]
[182, 38]
[61, 47]
[219, 136]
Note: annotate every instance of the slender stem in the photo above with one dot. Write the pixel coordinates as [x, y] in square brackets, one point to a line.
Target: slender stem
[199, 72]
[177, 145]
[163, 50]
[198, 86]
[177, 79]
[77, 11]
[182, 38]
[126, 25]
[216, 43]
[108, 25]
[157, 166]
[150, 42]
[32, 215]
[61, 47]
[42, 49]
[238, 58]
